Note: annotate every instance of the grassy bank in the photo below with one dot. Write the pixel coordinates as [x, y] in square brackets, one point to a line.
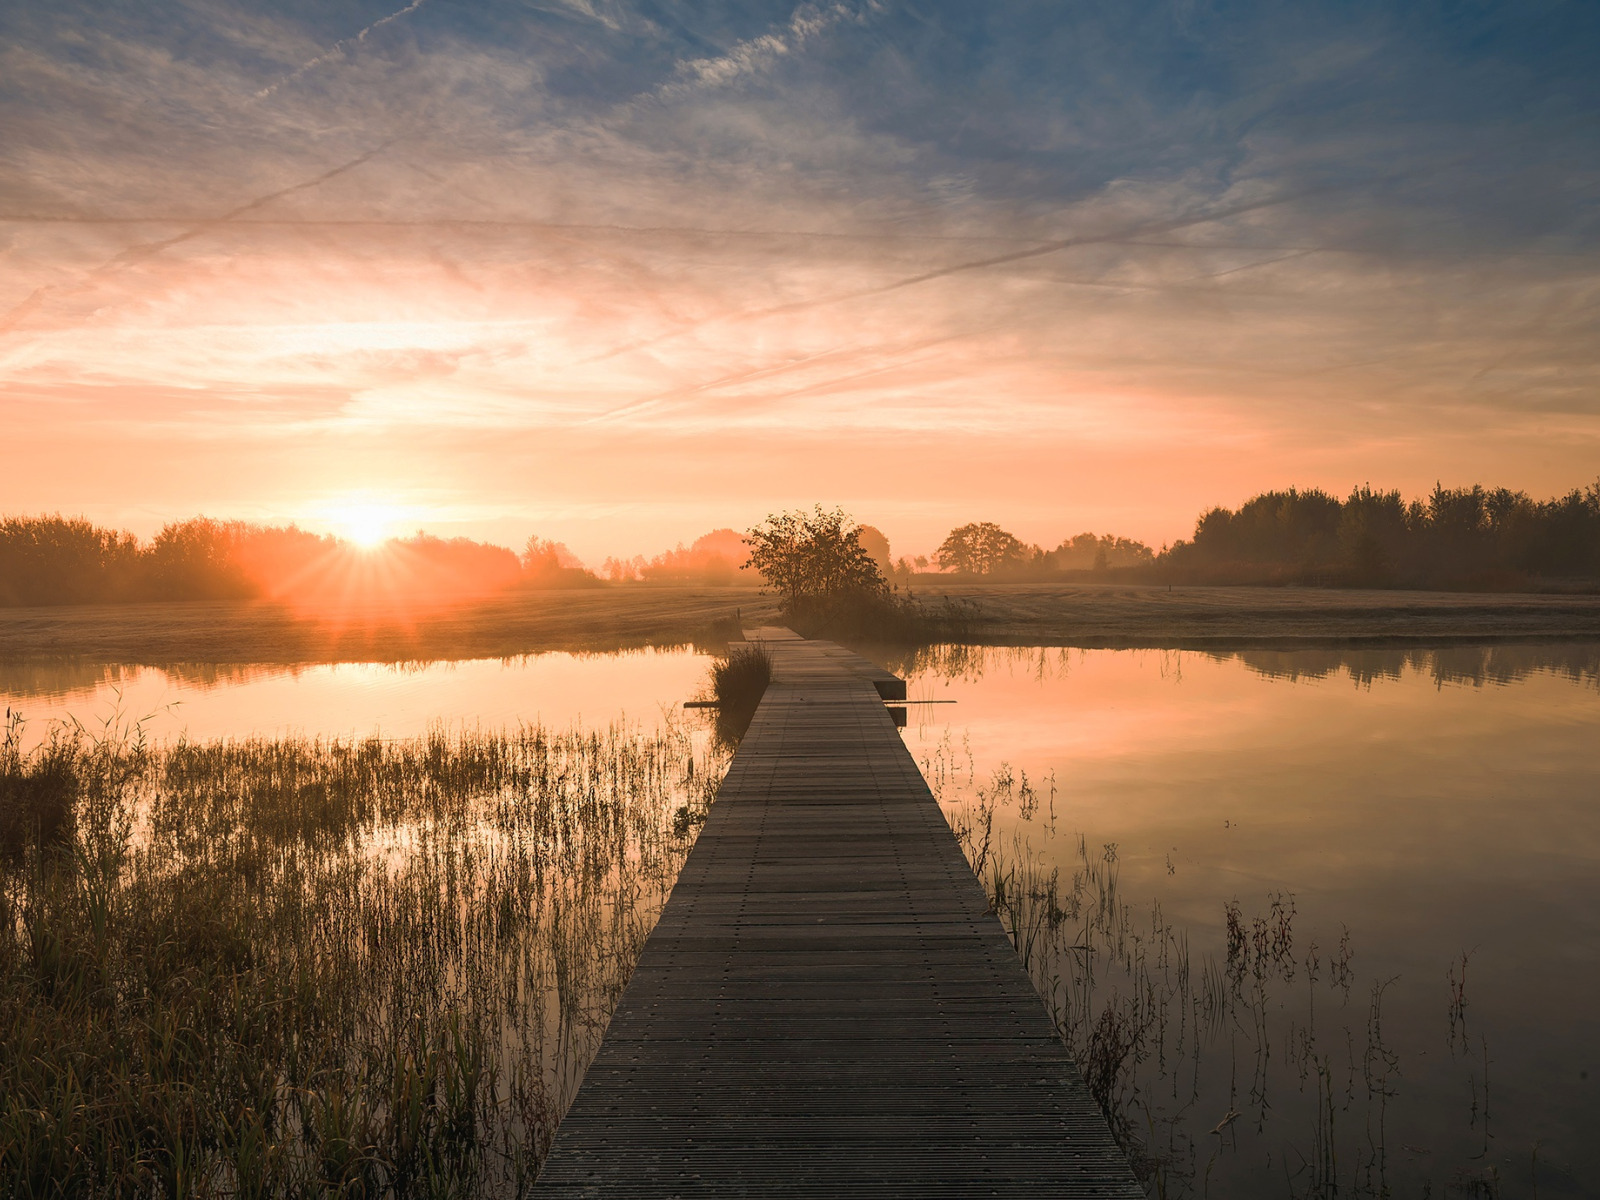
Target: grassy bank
[617, 618]
[516, 623]
[1201, 618]
[296, 968]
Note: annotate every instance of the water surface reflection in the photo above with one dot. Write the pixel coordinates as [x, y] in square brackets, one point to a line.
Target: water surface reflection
[1349, 931]
[1370, 820]
[204, 701]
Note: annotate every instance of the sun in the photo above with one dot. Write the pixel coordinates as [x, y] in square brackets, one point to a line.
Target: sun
[365, 523]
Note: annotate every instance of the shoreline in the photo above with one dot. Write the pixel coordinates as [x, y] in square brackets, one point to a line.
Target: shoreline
[1086, 616]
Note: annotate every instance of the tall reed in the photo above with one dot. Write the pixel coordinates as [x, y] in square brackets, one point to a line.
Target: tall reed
[1260, 1070]
[311, 967]
[738, 681]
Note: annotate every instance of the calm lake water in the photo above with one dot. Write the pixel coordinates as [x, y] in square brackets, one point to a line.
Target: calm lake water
[1409, 844]
[355, 699]
[1413, 809]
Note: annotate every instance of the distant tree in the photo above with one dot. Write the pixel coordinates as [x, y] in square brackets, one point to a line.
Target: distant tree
[1454, 537]
[712, 560]
[981, 548]
[541, 556]
[814, 560]
[545, 564]
[52, 560]
[877, 547]
[58, 560]
[429, 566]
[623, 570]
[1372, 534]
[199, 560]
[1088, 551]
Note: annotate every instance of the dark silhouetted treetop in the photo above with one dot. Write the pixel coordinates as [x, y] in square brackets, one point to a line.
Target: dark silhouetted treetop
[1456, 537]
[61, 560]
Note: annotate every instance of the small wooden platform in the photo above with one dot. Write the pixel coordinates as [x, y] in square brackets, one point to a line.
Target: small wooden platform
[826, 1007]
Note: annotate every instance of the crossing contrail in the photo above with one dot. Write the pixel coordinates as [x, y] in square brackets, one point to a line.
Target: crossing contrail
[143, 250]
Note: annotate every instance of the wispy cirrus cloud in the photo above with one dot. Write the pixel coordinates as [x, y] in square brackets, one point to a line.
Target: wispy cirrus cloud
[753, 56]
[1139, 235]
[338, 50]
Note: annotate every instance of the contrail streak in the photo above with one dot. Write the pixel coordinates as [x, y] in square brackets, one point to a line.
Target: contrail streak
[1054, 247]
[145, 250]
[822, 358]
[337, 49]
[519, 223]
[976, 264]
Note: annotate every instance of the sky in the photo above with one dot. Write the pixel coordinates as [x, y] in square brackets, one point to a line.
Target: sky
[616, 273]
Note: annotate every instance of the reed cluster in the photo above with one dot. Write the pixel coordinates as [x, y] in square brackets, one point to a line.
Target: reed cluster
[738, 681]
[1262, 1068]
[308, 967]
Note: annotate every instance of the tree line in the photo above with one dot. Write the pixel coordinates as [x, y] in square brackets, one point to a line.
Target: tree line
[983, 548]
[716, 559]
[1468, 537]
[62, 560]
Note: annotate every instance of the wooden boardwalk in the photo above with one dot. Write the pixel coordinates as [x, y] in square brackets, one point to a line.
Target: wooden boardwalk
[826, 1007]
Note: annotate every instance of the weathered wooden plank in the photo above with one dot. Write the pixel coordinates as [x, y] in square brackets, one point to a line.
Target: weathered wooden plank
[827, 1007]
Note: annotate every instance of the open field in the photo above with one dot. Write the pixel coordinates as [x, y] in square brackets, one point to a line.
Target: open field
[1199, 618]
[617, 618]
[259, 632]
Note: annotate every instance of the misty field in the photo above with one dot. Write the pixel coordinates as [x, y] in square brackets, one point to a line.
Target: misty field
[1201, 618]
[265, 632]
[624, 617]
[307, 967]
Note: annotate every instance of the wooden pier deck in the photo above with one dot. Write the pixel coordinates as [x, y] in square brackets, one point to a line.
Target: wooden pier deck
[826, 1007]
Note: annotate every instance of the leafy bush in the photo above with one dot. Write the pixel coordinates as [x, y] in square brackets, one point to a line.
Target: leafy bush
[815, 560]
[829, 584]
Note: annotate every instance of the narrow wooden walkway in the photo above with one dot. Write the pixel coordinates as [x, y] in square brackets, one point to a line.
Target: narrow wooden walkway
[826, 1008]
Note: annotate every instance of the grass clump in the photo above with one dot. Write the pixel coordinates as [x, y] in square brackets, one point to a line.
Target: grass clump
[738, 682]
[37, 792]
[316, 968]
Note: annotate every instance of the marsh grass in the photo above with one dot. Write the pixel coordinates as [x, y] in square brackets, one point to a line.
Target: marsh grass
[36, 792]
[738, 681]
[308, 967]
[1263, 1070]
